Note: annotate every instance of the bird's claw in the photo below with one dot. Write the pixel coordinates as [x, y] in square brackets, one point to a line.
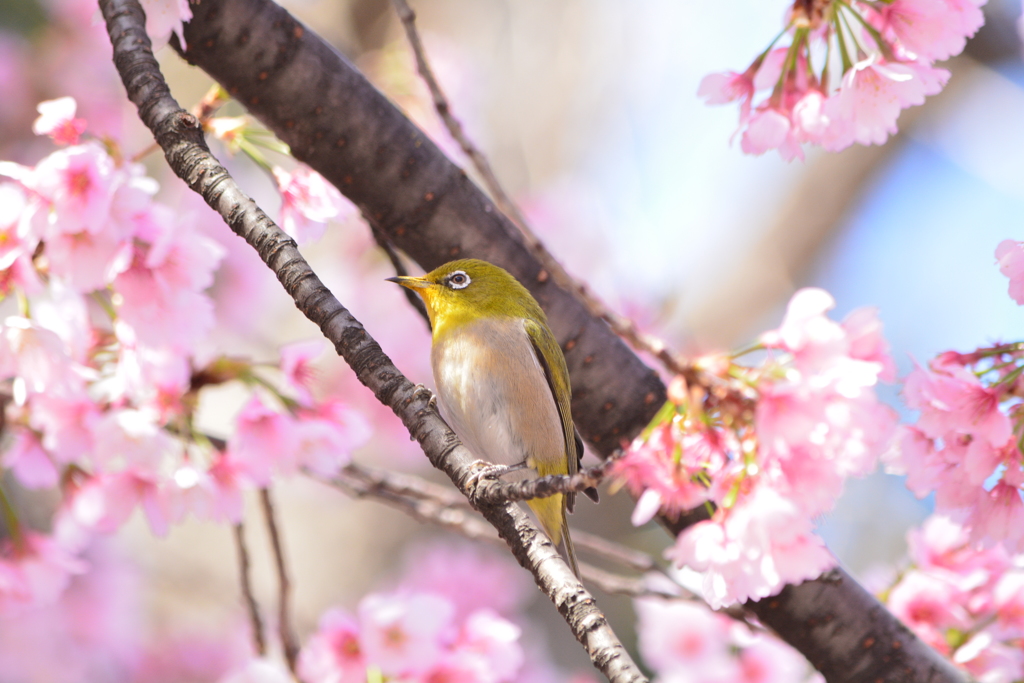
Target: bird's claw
[419, 390]
[484, 470]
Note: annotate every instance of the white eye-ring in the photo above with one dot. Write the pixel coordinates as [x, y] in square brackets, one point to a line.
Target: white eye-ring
[458, 280]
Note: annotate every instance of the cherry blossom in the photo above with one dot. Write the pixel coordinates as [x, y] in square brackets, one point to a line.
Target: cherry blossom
[933, 29]
[29, 462]
[963, 445]
[688, 642]
[333, 654]
[296, 365]
[813, 420]
[57, 119]
[963, 600]
[308, 202]
[404, 635]
[1010, 255]
[871, 60]
[752, 550]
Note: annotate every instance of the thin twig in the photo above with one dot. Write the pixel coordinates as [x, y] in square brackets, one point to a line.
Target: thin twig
[491, 491]
[284, 588]
[621, 325]
[384, 243]
[253, 609]
[428, 502]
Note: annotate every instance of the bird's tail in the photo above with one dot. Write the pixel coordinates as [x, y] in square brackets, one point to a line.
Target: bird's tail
[567, 547]
[551, 514]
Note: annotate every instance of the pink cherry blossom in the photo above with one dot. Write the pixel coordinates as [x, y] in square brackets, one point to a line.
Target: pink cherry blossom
[132, 438]
[79, 184]
[308, 202]
[929, 606]
[104, 502]
[987, 659]
[470, 576]
[29, 462]
[41, 568]
[296, 364]
[147, 377]
[933, 29]
[849, 357]
[866, 342]
[665, 470]
[768, 129]
[769, 660]
[57, 119]
[912, 453]
[404, 634]
[876, 69]
[164, 17]
[39, 358]
[333, 654]
[1008, 600]
[873, 93]
[161, 295]
[259, 670]
[752, 550]
[998, 515]
[325, 436]
[18, 240]
[66, 423]
[264, 440]
[488, 647]
[683, 636]
[1010, 255]
[953, 399]
[722, 88]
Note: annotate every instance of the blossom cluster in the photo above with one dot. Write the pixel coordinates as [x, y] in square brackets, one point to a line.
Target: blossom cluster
[770, 457]
[966, 603]
[102, 363]
[454, 616]
[849, 69]
[412, 637]
[683, 641]
[965, 445]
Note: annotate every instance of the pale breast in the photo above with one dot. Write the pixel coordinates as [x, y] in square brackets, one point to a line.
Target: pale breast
[493, 393]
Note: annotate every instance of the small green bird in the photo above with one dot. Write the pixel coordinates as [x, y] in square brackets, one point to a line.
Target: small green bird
[502, 382]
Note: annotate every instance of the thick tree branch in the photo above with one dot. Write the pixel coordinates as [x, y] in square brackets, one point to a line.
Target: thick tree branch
[179, 136]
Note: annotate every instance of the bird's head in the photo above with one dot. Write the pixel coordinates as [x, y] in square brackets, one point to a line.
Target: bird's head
[460, 292]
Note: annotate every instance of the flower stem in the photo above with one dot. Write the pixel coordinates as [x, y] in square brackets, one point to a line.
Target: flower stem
[10, 518]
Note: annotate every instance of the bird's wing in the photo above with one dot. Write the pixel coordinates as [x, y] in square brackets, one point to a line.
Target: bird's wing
[557, 374]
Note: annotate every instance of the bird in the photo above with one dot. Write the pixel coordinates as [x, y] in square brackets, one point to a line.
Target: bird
[502, 381]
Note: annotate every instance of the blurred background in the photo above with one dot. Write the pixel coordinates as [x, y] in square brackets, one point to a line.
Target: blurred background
[589, 114]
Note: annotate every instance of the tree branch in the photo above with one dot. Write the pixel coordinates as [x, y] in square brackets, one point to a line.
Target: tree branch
[253, 610]
[428, 502]
[492, 491]
[178, 134]
[284, 585]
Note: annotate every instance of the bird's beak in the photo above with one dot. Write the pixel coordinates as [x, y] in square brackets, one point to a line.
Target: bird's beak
[410, 282]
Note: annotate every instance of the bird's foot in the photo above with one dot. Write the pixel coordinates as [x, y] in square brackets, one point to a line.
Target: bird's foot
[419, 390]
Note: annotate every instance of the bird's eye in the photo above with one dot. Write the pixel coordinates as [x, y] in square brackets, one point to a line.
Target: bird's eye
[458, 280]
